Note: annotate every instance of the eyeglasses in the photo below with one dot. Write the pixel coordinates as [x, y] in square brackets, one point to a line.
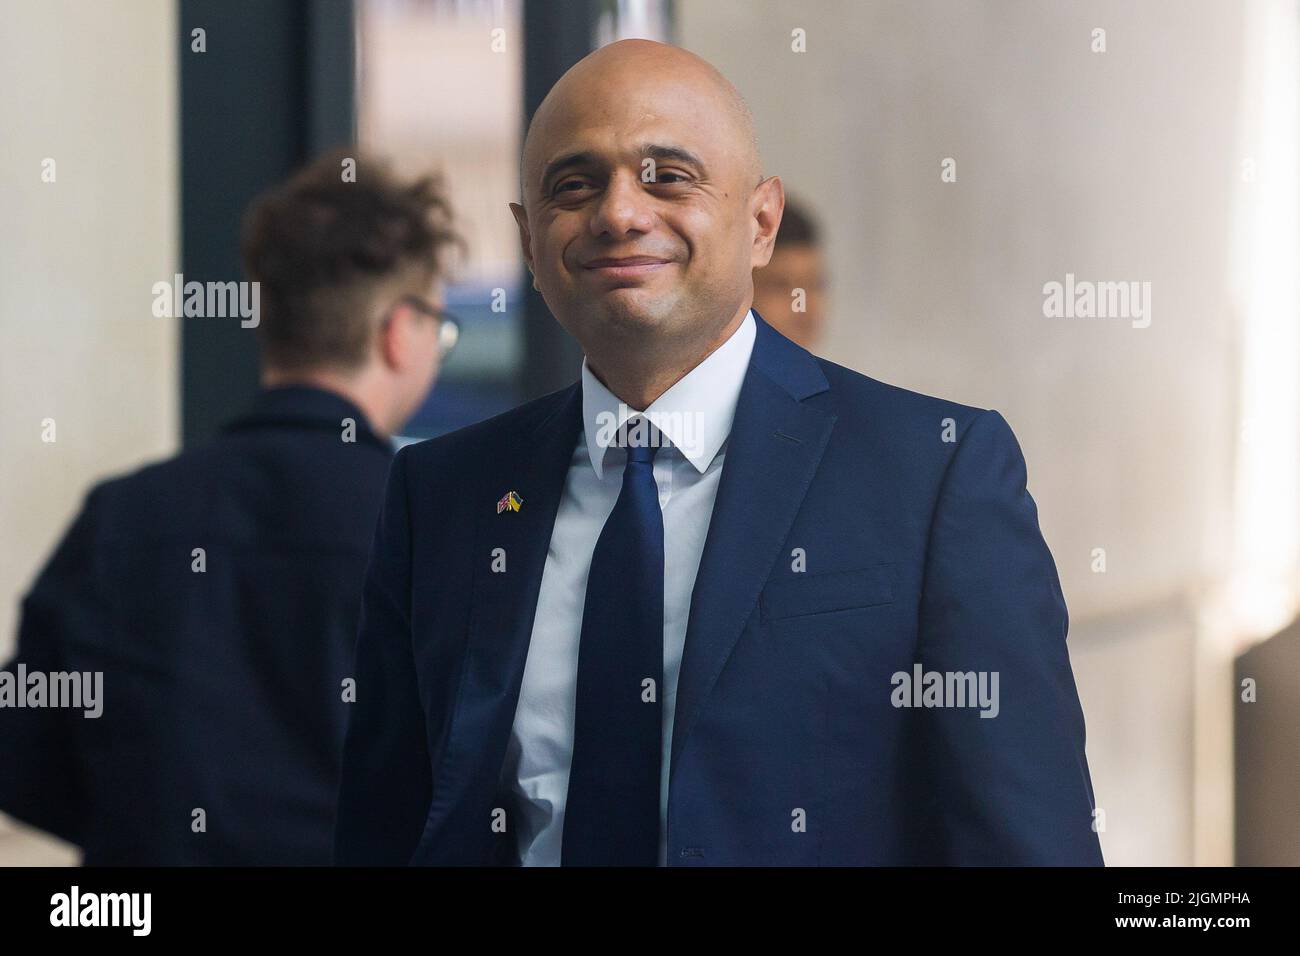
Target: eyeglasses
[448, 324]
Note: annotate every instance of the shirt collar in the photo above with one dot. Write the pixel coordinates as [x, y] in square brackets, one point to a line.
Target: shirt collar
[695, 415]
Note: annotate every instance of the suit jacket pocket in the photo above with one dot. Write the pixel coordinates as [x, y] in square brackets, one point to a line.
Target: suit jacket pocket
[796, 595]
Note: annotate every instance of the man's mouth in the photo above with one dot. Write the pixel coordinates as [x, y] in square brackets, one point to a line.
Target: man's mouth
[625, 267]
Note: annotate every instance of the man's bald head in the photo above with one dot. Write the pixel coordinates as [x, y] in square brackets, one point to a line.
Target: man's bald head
[622, 67]
[645, 211]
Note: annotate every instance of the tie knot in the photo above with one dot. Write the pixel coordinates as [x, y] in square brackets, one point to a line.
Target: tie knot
[641, 439]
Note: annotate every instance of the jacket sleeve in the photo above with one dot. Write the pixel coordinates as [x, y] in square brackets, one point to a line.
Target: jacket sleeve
[1012, 788]
[386, 783]
[40, 773]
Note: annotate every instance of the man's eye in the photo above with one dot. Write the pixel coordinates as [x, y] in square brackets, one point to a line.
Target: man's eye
[668, 176]
[570, 185]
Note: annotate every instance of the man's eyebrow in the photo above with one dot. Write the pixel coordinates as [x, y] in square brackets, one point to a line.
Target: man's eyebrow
[661, 154]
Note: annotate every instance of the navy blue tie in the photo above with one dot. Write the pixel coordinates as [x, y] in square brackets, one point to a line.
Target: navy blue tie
[611, 814]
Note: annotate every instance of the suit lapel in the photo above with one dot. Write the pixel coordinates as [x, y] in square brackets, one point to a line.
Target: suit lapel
[535, 464]
[773, 451]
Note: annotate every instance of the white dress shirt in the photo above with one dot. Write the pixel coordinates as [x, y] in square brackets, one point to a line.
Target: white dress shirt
[695, 417]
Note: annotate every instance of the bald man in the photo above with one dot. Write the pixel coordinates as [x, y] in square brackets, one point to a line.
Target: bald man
[718, 602]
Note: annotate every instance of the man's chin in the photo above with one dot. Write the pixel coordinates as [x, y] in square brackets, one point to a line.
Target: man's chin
[634, 310]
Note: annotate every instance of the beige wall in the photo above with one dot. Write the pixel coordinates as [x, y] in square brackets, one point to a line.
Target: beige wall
[1113, 166]
[92, 86]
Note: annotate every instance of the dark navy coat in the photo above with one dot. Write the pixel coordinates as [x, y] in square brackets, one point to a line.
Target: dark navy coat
[223, 688]
[922, 547]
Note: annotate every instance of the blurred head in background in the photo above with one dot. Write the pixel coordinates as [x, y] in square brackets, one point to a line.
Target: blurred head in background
[351, 262]
[789, 291]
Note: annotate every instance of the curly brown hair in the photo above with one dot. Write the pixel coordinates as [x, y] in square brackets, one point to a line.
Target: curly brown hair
[327, 250]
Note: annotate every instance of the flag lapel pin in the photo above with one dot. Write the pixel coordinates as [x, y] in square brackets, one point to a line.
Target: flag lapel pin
[510, 502]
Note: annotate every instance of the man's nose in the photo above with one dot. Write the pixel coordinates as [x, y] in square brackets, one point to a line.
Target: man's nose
[623, 208]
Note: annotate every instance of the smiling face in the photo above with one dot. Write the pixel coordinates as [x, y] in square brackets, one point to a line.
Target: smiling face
[643, 213]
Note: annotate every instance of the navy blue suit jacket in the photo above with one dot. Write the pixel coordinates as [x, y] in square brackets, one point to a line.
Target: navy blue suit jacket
[787, 746]
[221, 689]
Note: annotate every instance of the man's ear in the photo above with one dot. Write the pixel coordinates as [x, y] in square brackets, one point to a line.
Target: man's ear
[525, 237]
[395, 336]
[766, 206]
